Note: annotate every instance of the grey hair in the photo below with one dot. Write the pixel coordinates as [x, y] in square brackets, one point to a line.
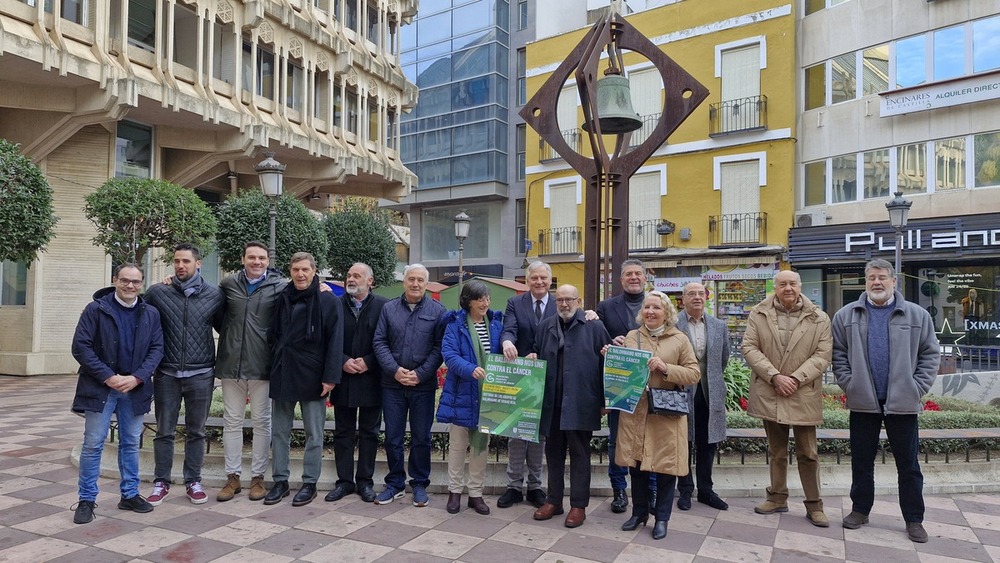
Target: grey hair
[633, 262]
[410, 267]
[880, 264]
[536, 265]
[797, 276]
[368, 269]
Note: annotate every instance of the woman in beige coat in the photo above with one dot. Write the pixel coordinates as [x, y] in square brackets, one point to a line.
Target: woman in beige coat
[652, 443]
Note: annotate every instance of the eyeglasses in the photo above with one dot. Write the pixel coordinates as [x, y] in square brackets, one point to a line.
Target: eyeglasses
[126, 282]
[566, 299]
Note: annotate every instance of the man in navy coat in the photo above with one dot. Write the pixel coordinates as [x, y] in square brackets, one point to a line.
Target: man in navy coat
[524, 313]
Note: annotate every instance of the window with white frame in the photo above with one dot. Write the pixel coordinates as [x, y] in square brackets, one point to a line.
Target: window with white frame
[739, 71]
[647, 101]
[13, 283]
[739, 183]
[645, 192]
[564, 231]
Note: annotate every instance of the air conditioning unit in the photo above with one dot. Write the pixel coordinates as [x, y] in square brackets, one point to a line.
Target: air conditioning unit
[810, 219]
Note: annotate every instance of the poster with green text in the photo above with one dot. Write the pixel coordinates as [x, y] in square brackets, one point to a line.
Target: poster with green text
[625, 375]
[512, 393]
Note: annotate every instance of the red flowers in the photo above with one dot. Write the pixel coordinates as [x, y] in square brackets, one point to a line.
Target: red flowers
[442, 372]
[931, 406]
[744, 403]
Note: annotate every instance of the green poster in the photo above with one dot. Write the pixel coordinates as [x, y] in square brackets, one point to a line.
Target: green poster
[625, 375]
[512, 393]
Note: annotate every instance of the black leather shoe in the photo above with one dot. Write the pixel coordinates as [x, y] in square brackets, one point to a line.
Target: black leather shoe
[713, 500]
[84, 512]
[277, 492]
[509, 498]
[338, 492]
[135, 504]
[660, 530]
[367, 493]
[620, 502]
[454, 503]
[536, 497]
[634, 522]
[684, 501]
[479, 505]
[305, 495]
[652, 502]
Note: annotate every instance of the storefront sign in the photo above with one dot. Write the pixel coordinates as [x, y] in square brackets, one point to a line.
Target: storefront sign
[915, 239]
[742, 272]
[947, 94]
[673, 285]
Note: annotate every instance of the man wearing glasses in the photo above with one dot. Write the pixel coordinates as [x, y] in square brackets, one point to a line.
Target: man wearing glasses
[118, 343]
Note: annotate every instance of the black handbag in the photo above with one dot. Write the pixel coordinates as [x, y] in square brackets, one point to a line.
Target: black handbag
[667, 402]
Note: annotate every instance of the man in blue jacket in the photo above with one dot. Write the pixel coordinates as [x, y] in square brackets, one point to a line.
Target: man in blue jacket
[189, 307]
[885, 358]
[118, 343]
[408, 350]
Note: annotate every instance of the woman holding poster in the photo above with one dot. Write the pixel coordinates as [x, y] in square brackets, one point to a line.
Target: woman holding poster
[652, 443]
[470, 334]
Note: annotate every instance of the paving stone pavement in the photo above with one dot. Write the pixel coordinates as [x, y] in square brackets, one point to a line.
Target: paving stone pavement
[38, 487]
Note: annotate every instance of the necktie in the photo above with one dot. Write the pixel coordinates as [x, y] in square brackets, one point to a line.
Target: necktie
[538, 310]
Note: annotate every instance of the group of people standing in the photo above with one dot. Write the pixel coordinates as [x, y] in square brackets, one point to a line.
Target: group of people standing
[290, 342]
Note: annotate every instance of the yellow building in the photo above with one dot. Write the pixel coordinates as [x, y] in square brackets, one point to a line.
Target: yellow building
[715, 202]
[191, 92]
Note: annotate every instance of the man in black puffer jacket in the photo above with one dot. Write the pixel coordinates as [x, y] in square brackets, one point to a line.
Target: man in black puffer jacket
[189, 308]
[307, 343]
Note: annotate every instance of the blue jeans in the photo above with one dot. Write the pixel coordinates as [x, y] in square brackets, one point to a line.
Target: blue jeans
[616, 473]
[95, 431]
[168, 392]
[419, 404]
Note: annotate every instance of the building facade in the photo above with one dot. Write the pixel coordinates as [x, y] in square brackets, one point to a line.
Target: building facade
[190, 92]
[715, 202]
[907, 103]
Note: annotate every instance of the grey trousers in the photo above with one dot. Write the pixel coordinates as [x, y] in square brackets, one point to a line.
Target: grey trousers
[520, 453]
[313, 419]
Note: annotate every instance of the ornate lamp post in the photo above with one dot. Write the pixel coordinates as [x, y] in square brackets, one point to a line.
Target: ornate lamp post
[271, 173]
[899, 211]
[462, 224]
[607, 111]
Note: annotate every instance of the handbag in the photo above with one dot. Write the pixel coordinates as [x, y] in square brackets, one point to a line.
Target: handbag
[667, 402]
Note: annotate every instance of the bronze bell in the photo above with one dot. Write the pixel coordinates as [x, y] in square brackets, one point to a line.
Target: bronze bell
[614, 106]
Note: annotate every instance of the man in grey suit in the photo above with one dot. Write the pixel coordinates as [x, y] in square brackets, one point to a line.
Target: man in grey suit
[524, 312]
[706, 399]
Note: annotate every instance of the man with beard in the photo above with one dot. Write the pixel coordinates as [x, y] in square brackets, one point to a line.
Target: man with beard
[885, 358]
[574, 397]
[307, 340]
[357, 401]
[189, 307]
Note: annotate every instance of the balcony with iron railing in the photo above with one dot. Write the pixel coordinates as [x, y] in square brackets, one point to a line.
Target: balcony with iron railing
[738, 229]
[650, 234]
[547, 153]
[738, 116]
[561, 240]
[640, 135]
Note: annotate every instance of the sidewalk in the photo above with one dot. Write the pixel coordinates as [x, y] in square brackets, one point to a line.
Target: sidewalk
[38, 485]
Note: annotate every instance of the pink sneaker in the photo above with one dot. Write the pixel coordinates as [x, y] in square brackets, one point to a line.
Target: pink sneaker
[196, 493]
[160, 490]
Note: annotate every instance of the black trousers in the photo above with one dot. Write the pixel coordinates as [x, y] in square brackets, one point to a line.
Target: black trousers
[557, 444]
[700, 451]
[640, 493]
[901, 429]
[363, 422]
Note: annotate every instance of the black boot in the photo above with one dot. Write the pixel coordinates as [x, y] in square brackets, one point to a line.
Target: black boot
[634, 522]
[652, 501]
[660, 530]
[620, 502]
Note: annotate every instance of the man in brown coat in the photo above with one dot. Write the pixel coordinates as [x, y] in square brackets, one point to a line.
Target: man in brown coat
[788, 346]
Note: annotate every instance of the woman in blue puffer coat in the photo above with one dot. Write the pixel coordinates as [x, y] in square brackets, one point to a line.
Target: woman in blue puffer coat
[469, 335]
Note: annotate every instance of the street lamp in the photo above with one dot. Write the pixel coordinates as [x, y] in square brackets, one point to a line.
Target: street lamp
[271, 173]
[899, 210]
[462, 224]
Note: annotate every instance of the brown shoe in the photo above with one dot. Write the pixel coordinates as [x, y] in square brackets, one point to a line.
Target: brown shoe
[575, 517]
[232, 487]
[257, 490]
[479, 505]
[454, 503]
[547, 511]
[818, 518]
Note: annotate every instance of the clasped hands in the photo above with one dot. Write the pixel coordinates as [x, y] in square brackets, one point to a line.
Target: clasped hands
[784, 385]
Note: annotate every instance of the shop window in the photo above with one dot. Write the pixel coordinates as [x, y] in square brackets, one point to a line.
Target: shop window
[185, 44]
[133, 150]
[875, 70]
[815, 184]
[815, 94]
[949, 164]
[911, 61]
[845, 178]
[876, 169]
[987, 149]
[13, 283]
[985, 54]
[911, 168]
[521, 151]
[843, 78]
[142, 23]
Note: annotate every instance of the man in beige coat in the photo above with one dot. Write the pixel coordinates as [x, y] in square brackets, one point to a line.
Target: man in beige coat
[788, 346]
